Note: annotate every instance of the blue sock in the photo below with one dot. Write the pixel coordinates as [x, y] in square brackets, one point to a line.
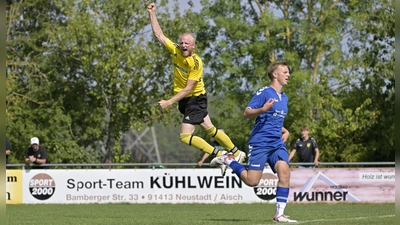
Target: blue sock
[237, 168]
[282, 194]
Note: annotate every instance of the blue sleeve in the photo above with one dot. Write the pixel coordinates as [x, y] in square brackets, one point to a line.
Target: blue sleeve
[259, 99]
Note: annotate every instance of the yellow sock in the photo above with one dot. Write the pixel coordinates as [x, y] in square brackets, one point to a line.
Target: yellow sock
[197, 142]
[222, 139]
[236, 153]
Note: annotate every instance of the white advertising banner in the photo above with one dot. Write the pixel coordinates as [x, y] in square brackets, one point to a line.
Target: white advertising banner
[203, 186]
[139, 186]
[375, 185]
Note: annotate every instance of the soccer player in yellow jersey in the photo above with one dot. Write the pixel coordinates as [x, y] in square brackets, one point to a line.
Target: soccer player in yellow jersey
[190, 94]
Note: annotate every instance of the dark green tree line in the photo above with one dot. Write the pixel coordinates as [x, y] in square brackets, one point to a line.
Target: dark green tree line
[82, 73]
[342, 58]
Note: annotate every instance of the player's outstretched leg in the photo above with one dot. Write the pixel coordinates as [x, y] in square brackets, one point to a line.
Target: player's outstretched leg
[226, 142]
[240, 157]
[221, 160]
[222, 166]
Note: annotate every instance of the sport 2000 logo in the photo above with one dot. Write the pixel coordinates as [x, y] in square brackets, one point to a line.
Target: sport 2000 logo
[42, 186]
[266, 189]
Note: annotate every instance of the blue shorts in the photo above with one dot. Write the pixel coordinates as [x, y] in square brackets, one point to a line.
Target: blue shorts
[258, 156]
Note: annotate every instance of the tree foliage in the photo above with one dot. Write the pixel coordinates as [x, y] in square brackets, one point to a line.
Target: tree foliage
[82, 73]
[335, 66]
[32, 110]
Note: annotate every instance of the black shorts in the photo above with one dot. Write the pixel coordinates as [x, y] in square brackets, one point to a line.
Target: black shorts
[194, 109]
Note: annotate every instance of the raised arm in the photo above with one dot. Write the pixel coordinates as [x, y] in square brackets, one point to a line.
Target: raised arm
[151, 9]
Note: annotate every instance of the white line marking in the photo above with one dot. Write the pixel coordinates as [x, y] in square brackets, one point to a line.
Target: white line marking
[339, 219]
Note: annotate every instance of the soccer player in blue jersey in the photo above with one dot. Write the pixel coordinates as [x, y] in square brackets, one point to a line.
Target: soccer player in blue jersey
[266, 142]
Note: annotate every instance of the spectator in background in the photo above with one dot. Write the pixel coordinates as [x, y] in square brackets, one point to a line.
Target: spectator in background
[308, 149]
[8, 149]
[205, 156]
[36, 154]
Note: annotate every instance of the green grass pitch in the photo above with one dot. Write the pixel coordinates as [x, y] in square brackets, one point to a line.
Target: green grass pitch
[192, 214]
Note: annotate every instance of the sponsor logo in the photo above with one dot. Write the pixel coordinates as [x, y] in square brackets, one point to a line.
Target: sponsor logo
[340, 193]
[180, 68]
[42, 186]
[279, 113]
[106, 183]
[376, 176]
[266, 189]
[192, 182]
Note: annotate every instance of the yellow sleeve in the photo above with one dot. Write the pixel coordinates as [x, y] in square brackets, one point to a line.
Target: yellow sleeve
[171, 46]
[196, 67]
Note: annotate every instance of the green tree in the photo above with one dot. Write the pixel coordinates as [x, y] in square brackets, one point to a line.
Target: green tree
[110, 78]
[372, 64]
[81, 73]
[31, 108]
[311, 36]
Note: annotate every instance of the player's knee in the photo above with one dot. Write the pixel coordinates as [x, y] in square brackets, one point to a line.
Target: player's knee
[251, 183]
[282, 168]
[212, 131]
[186, 138]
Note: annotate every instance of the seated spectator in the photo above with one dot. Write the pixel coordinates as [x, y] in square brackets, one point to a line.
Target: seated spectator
[36, 155]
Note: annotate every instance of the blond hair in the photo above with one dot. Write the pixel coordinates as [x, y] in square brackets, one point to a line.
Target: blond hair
[189, 34]
[273, 67]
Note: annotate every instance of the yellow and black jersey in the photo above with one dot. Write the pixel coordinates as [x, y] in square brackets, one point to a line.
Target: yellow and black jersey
[186, 68]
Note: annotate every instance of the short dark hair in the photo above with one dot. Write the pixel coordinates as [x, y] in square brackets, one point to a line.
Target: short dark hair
[305, 128]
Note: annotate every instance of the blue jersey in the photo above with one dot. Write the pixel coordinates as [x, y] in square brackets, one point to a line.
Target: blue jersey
[267, 130]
